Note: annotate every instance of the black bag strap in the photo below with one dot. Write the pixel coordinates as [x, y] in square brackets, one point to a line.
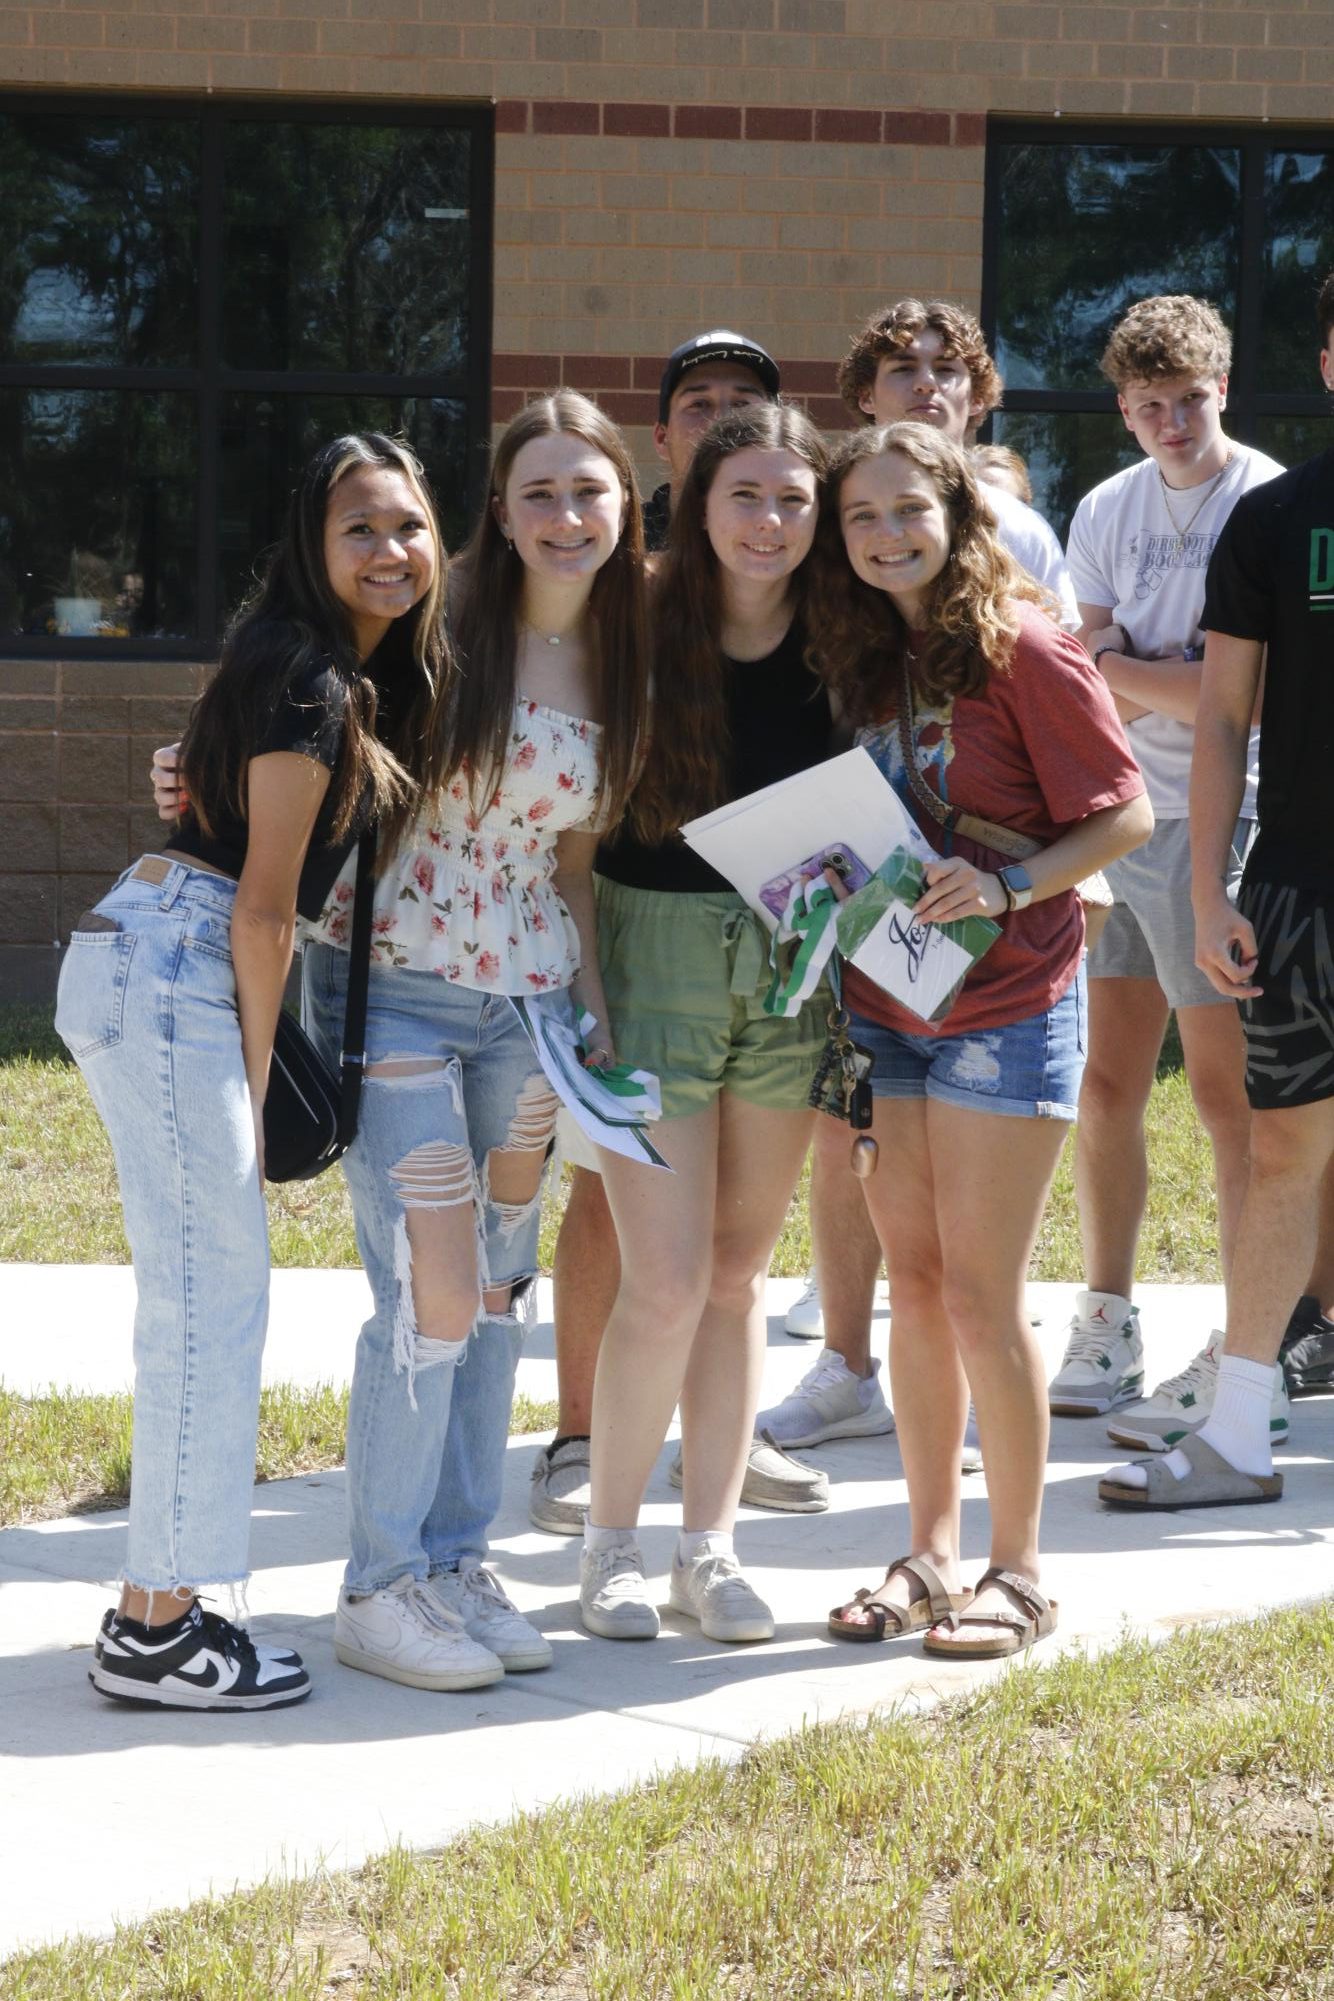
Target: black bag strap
[358, 982]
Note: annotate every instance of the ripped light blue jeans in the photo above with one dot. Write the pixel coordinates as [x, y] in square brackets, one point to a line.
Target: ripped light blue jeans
[453, 1101]
[147, 1008]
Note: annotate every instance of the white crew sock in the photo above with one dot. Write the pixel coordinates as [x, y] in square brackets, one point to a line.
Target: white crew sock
[694, 1543]
[1237, 1427]
[595, 1538]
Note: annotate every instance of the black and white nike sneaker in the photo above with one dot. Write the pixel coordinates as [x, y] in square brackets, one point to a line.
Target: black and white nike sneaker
[199, 1661]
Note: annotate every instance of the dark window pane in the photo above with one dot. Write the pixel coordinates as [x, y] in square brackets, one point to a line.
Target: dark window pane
[1298, 252]
[1087, 230]
[267, 439]
[1292, 439]
[98, 240]
[1066, 455]
[346, 247]
[97, 513]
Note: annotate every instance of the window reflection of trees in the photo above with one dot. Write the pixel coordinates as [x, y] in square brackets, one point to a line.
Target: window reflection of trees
[346, 247]
[1086, 229]
[1298, 252]
[98, 240]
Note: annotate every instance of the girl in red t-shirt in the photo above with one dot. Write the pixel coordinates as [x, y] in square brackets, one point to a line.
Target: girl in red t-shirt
[1011, 723]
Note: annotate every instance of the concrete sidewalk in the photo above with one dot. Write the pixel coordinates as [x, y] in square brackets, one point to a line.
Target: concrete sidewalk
[365, 1763]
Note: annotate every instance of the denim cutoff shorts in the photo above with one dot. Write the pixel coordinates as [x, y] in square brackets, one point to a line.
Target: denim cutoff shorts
[1029, 1069]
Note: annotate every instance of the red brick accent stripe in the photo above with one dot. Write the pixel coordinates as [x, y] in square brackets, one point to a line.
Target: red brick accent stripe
[626, 386]
[836, 125]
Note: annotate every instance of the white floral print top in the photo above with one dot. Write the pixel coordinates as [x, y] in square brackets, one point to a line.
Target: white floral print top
[469, 894]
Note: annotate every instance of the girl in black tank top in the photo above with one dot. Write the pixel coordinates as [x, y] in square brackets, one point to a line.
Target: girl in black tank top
[685, 968]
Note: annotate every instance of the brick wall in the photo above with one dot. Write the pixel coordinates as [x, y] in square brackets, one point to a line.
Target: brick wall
[661, 165]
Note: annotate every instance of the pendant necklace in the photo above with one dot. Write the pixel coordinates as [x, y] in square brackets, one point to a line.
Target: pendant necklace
[551, 638]
[1182, 529]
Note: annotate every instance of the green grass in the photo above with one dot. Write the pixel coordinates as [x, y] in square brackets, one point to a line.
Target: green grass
[1157, 1823]
[66, 1452]
[58, 1201]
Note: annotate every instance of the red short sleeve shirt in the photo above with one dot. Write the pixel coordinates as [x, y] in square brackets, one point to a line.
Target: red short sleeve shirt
[1037, 751]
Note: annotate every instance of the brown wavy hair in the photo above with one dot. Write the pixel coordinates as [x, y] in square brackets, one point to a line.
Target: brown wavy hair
[477, 705]
[891, 330]
[685, 770]
[293, 621]
[858, 635]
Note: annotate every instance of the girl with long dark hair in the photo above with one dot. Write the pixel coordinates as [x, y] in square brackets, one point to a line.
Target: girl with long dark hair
[530, 751]
[685, 965]
[169, 996]
[938, 650]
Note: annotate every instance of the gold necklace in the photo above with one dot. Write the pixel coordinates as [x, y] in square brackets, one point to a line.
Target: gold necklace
[1178, 529]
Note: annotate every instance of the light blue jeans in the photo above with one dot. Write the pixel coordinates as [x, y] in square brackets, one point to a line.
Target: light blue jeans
[147, 1009]
[429, 1418]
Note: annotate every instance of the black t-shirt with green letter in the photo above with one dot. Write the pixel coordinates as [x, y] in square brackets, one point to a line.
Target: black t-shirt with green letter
[1271, 578]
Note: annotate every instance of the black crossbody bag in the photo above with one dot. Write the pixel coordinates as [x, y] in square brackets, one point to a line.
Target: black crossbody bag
[310, 1112]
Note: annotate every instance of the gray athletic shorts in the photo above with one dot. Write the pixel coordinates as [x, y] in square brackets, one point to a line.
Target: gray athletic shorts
[1150, 930]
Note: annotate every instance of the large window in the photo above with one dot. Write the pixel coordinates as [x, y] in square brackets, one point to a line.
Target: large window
[1081, 222]
[191, 299]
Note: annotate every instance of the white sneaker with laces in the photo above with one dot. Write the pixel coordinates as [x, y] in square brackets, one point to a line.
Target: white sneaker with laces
[829, 1402]
[805, 1316]
[559, 1492]
[406, 1634]
[1104, 1358]
[491, 1617]
[1180, 1405]
[613, 1593]
[714, 1590]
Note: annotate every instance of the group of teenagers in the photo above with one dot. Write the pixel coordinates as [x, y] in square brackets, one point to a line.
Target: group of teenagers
[526, 730]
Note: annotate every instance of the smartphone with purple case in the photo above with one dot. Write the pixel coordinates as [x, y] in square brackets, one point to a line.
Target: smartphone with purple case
[849, 867]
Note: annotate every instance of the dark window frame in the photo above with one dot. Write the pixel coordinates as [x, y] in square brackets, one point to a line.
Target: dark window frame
[1246, 404]
[210, 380]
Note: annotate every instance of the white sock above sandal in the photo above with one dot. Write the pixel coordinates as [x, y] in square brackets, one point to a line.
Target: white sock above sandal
[1237, 1427]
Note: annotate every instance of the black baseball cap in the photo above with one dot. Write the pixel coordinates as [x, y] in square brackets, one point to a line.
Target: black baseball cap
[720, 345]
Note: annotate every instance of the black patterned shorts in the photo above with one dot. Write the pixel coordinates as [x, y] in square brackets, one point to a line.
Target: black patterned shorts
[1289, 1030]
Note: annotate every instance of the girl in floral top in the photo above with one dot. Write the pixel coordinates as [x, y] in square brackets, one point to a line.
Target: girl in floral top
[532, 748]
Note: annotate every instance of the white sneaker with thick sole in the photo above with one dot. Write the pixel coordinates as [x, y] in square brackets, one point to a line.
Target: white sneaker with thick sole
[713, 1589]
[1179, 1406]
[829, 1402]
[805, 1316]
[406, 1634]
[1104, 1358]
[613, 1593]
[492, 1618]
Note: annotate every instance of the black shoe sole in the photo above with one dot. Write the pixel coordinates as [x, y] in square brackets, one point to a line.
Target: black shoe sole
[1311, 1386]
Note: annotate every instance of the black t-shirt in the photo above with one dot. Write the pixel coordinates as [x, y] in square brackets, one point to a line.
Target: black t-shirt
[658, 519]
[308, 719]
[1271, 578]
[779, 722]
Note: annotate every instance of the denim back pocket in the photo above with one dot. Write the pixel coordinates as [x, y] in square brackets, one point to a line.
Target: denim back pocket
[91, 996]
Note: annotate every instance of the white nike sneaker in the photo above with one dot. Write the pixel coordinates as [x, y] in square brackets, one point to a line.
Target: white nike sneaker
[805, 1316]
[714, 1590]
[491, 1617]
[1181, 1404]
[1104, 1358]
[405, 1633]
[829, 1402]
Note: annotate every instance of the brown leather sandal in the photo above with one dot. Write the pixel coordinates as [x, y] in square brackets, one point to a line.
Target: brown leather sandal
[1032, 1619]
[939, 1607]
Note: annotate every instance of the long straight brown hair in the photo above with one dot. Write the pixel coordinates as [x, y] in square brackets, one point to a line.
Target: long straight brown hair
[471, 730]
[293, 621]
[685, 771]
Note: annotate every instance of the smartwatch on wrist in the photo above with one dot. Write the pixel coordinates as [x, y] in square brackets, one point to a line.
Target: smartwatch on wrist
[1018, 886]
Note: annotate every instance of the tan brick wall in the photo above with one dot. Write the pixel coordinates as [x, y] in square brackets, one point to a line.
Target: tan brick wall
[661, 165]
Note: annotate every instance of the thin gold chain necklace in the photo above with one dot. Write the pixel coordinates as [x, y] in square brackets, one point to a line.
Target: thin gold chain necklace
[1178, 529]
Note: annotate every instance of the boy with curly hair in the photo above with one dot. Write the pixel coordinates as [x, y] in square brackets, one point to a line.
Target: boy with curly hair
[1139, 548]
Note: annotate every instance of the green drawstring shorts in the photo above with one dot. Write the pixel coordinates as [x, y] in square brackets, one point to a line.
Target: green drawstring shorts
[685, 977]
